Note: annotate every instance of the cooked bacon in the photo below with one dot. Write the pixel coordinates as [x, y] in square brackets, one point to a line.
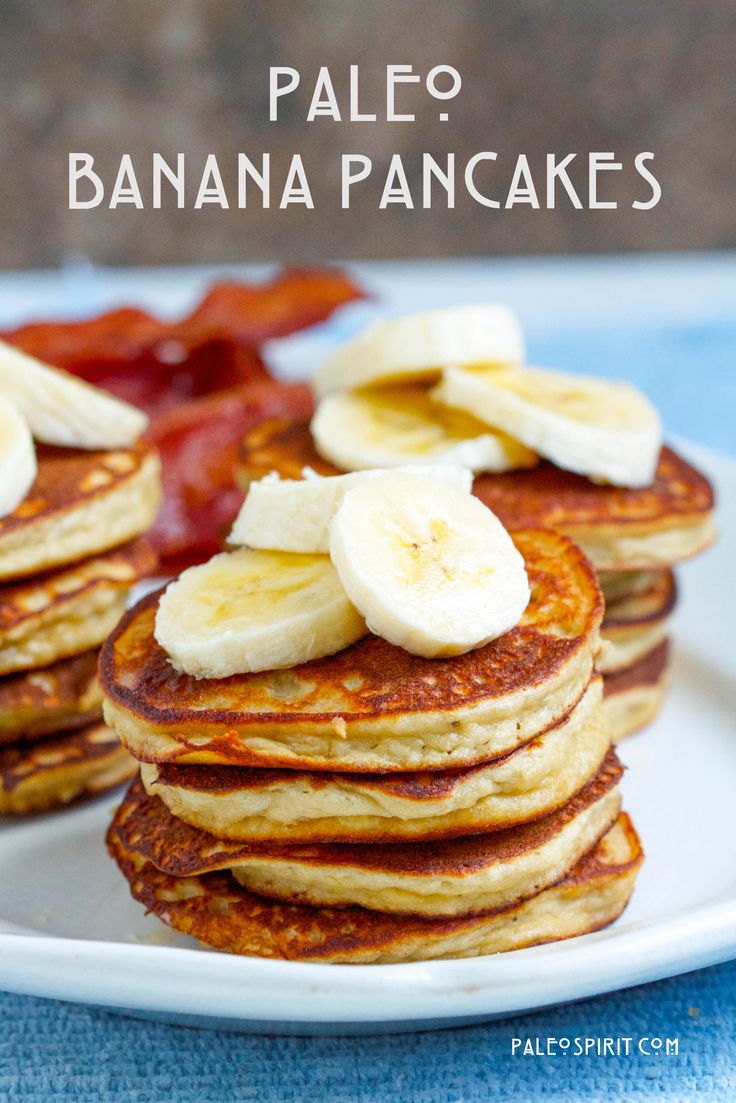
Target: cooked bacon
[253, 314]
[199, 444]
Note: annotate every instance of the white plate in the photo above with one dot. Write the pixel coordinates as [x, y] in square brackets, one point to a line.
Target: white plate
[72, 932]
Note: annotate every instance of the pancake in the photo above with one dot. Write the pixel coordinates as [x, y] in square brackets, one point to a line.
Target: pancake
[56, 699]
[372, 707]
[238, 802]
[69, 611]
[40, 776]
[633, 697]
[635, 624]
[617, 585]
[456, 877]
[618, 528]
[81, 503]
[220, 913]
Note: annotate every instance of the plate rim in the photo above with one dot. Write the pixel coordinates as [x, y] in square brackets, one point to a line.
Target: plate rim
[256, 989]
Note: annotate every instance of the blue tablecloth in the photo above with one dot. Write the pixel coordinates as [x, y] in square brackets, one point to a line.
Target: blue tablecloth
[56, 1052]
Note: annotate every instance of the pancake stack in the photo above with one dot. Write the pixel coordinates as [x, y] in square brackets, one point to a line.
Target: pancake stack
[70, 550]
[372, 804]
[387, 398]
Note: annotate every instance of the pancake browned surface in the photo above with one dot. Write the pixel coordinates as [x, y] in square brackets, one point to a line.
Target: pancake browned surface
[81, 503]
[59, 697]
[459, 876]
[617, 585]
[295, 805]
[216, 910]
[618, 528]
[373, 706]
[70, 610]
[633, 697]
[636, 623]
[50, 773]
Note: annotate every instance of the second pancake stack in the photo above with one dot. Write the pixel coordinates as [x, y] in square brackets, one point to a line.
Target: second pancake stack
[372, 805]
[68, 557]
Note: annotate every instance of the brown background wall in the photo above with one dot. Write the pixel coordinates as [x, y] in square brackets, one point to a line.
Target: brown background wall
[191, 76]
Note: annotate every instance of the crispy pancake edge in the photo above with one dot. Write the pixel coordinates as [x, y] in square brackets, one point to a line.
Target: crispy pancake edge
[125, 677]
[412, 785]
[543, 497]
[46, 534]
[218, 912]
[182, 851]
[57, 698]
[59, 468]
[646, 672]
[58, 770]
[134, 559]
[649, 606]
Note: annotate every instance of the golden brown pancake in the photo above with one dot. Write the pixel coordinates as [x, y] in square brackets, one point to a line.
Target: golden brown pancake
[636, 623]
[453, 877]
[634, 696]
[81, 503]
[56, 699]
[68, 611]
[617, 585]
[618, 528]
[373, 706]
[220, 913]
[50, 773]
[245, 803]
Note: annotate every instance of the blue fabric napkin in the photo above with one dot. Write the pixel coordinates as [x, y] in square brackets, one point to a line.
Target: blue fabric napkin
[61, 1053]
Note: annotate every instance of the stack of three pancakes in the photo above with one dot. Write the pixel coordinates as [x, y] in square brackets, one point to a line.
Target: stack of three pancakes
[373, 806]
[632, 536]
[69, 554]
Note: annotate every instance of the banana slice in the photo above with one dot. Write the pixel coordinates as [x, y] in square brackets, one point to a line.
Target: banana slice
[419, 346]
[432, 570]
[394, 426]
[61, 409]
[17, 457]
[294, 514]
[250, 610]
[602, 428]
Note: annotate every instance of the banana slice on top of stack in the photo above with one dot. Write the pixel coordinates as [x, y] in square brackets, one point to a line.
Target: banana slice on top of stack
[448, 386]
[409, 555]
[54, 407]
[394, 425]
[601, 428]
[418, 347]
[63, 410]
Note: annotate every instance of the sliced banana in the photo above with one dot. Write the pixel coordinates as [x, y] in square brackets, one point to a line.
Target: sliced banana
[419, 345]
[432, 570]
[395, 426]
[248, 610]
[602, 428]
[294, 514]
[17, 457]
[61, 409]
